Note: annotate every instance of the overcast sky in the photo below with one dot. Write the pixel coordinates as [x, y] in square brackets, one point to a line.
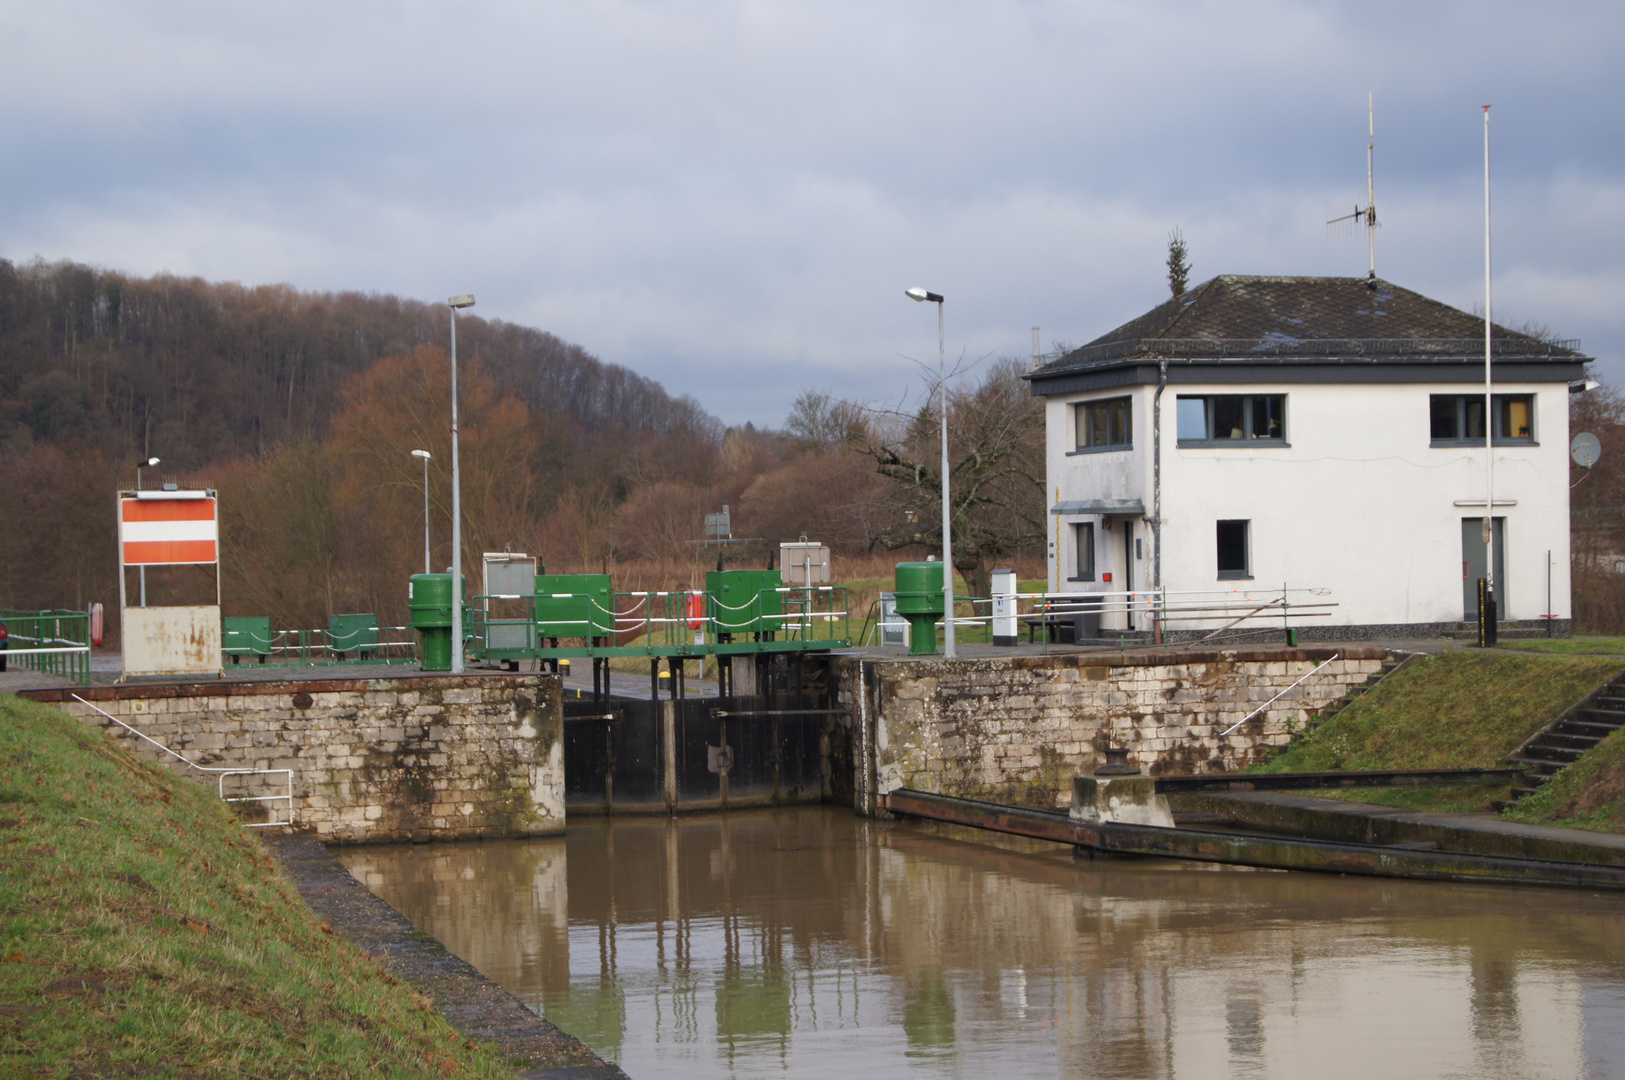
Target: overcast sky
[732, 197]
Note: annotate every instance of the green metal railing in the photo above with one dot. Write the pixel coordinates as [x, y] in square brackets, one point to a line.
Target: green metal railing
[54, 642]
[359, 641]
[675, 623]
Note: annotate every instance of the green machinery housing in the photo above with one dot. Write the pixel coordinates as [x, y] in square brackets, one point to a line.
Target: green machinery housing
[740, 612]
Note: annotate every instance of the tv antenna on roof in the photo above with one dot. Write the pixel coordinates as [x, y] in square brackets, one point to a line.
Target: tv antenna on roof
[1350, 222]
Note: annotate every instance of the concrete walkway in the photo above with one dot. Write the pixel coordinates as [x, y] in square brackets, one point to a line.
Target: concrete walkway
[1364, 823]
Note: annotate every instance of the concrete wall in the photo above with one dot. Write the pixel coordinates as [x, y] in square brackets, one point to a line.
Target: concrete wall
[1018, 728]
[374, 759]
[1358, 501]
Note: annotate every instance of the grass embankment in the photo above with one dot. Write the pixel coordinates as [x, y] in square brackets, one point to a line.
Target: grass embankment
[143, 932]
[1574, 646]
[1458, 710]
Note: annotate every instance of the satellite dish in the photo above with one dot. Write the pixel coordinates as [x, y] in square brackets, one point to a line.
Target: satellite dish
[1585, 450]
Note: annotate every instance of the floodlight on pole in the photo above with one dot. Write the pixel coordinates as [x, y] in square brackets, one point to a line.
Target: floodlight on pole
[466, 300]
[948, 650]
[425, 455]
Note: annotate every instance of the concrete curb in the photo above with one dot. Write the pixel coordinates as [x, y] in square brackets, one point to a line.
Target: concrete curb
[1363, 823]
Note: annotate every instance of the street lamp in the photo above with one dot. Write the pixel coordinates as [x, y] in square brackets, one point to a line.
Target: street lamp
[139, 466]
[424, 454]
[947, 527]
[466, 300]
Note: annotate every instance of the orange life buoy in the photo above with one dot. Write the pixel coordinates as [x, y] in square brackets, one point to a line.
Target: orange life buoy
[696, 610]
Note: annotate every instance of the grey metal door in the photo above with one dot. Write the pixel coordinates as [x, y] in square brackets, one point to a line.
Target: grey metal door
[1472, 566]
[1128, 569]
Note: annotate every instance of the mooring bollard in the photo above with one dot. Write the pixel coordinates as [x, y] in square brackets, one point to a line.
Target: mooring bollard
[1119, 793]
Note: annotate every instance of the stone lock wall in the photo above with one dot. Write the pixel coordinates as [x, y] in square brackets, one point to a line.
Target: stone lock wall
[391, 759]
[1018, 728]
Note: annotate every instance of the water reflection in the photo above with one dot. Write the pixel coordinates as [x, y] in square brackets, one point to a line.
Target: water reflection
[809, 941]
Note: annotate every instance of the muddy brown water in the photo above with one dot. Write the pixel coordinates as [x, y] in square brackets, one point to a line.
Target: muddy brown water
[812, 943]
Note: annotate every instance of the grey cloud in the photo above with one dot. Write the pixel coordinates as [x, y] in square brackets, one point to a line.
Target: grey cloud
[731, 197]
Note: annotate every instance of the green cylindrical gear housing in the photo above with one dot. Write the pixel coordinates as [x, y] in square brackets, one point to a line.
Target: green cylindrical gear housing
[920, 601]
[429, 600]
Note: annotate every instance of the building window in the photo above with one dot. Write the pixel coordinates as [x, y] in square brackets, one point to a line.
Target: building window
[1458, 419]
[1234, 560]
[1105, 425]
[1224, 419]
[1084, 535]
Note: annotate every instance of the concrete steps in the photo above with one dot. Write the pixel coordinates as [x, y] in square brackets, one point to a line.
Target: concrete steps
[1389, 666]
[1562, 742]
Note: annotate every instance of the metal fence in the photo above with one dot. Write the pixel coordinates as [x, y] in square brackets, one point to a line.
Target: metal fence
[311, 648]
[53, 642]
[691, 621]
[1073, 617]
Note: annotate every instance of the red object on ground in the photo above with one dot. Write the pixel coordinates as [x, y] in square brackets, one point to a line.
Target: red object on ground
[98, 624]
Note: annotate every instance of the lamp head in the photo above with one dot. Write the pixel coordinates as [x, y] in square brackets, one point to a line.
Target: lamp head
[466, 300]
[151, 461]
[424, 454]
[922, 295]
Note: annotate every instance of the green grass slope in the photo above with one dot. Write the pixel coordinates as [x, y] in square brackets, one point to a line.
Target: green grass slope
[1457, 710]
[1574, 646]
[1590, 794]
[143, 932]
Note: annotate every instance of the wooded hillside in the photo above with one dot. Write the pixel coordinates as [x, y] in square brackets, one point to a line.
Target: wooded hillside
[302, 409]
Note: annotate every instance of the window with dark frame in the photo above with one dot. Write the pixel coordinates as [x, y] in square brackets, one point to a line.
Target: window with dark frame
[1084, 537]
[1105, 425]
[1217, 419]
[1234, 562]
[1458, 419]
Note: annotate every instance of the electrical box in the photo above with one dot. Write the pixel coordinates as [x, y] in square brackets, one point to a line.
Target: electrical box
[893, 628]
[509, 573]
[804, 563]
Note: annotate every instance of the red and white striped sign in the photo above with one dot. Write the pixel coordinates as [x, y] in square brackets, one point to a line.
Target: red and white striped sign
[174, 530]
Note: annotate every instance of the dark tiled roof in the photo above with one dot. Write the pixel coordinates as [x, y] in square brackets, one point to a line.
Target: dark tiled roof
[1282, 318]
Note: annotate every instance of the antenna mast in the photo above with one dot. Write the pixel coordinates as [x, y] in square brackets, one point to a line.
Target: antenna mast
[1370, 185]
[1367, 213]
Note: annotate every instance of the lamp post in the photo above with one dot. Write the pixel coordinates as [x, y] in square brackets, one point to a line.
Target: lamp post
[1488, 616]
[947, 525]
[454, 303]
[424, 454]
[143, 572]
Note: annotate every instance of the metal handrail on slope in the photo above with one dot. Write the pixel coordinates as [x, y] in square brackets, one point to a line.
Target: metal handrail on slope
[221, 773]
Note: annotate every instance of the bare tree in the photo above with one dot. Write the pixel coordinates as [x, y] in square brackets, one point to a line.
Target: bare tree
[820, 421]
[996, 473]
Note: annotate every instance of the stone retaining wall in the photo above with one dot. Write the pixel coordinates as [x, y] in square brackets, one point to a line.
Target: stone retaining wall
[1018, 728]
[390, 759]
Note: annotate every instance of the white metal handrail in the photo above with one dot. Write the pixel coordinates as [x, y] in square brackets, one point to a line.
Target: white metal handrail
[221, 773]
[40, 652]
[1277, 697]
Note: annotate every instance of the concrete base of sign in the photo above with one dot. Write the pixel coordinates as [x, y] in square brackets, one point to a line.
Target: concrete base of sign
[172, 640]
[1127, 800]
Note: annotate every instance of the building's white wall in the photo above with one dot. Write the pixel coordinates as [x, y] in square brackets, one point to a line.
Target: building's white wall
[1103, 474]
[1358, 503]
